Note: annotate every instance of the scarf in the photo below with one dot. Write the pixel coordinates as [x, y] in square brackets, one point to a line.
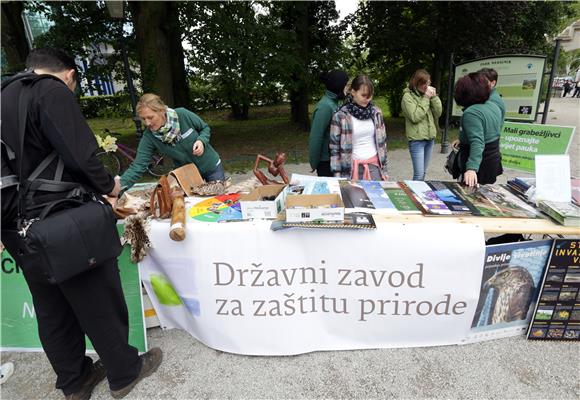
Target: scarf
[357, 111]
[169, 132]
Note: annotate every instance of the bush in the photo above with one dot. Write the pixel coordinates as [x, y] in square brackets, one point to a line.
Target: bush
[106, 106]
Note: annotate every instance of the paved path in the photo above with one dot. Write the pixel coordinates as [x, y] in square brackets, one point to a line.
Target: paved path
[502, 369]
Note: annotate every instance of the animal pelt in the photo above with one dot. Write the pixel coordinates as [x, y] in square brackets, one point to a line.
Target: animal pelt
[245, 186]
[137, 234]
[211, 188]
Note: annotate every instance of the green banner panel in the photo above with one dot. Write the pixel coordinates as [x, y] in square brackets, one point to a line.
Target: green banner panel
[19, 330]
[520, 143]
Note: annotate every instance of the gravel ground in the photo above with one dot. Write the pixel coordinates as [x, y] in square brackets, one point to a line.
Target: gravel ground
[501, 369]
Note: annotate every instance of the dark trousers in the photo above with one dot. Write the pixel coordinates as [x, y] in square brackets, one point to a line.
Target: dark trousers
[323, 169]
[91, 303]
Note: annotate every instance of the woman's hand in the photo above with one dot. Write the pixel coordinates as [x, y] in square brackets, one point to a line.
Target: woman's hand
[198, 148]
[430, 92]
[455, 144]
[470, 178]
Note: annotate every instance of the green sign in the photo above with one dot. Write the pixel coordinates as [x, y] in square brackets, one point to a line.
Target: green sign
[520, 143]
[19, 330]
[519, 82]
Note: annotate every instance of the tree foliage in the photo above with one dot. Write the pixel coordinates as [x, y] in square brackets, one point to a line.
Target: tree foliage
[79, 27]
[313, 43]
[233, 47]
[403, 36]
[14, 41]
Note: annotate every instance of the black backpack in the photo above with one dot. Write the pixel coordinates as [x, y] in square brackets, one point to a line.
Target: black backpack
[17, 196]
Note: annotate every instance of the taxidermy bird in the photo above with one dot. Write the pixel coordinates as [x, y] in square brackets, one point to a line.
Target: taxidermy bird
[514, 287]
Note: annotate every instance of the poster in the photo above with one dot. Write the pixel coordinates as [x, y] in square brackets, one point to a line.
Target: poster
[519, 83]
[19, 330]
[557, 314]
[511, 280]
[519, 143]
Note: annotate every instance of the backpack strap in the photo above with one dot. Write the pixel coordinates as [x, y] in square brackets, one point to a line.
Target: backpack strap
[32, 184]
[9, 180]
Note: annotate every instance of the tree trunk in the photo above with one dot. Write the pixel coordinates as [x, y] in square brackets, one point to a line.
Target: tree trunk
[295, 18]
[240, 111]
[180, 85]
[14, 40]
[159, 50]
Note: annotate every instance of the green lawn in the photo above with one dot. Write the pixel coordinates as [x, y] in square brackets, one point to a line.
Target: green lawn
[267, 131]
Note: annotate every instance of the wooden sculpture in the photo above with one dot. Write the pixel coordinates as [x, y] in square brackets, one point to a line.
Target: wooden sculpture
[275, 167]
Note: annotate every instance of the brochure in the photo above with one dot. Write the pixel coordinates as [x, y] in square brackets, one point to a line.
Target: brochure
[557, 312]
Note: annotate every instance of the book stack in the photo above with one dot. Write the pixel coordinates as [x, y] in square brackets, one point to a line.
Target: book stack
[567, 214]
[525, 188]
[575, 186]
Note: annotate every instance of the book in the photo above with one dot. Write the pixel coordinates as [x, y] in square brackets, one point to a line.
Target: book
[354, 196]
[566, 214]
[353, 220]
[495, 201]
[399, 198]
[425, 198]
[557, 313]
[451, 199]
[510, 283]
[380, 200]
[575, 186]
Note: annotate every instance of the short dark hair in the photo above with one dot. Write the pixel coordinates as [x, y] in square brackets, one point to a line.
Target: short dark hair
[362, 80]
[489, 73]
[471, 89]
[419, 78]
[53, 60]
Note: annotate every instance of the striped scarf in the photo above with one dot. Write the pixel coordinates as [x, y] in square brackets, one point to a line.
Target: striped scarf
[169, 132]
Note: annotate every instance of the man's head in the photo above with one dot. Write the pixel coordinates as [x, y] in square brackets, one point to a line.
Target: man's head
[53, 62]
[491, 75]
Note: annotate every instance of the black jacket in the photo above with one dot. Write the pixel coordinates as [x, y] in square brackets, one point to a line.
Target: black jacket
[54, 122]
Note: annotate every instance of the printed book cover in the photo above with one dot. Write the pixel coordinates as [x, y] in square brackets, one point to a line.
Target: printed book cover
[378, 197]
[426, 198]
[495, 201]
[353, 220]
[567, 214]
[355, 196]
[575, 186]
[399, 198]
[512, 275]
[451, 199]
[557, 312]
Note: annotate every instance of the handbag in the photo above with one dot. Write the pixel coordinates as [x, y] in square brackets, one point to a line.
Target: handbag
[161, 201]
[70, 241]
[452, 163]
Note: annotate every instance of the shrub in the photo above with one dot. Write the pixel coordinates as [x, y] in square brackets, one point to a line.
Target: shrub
[106, 106]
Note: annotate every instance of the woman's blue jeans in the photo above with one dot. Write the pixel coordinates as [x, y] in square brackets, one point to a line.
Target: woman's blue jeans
[217, 174]
[421, 151]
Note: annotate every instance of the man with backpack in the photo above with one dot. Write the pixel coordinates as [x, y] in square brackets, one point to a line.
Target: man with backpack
[91, 302]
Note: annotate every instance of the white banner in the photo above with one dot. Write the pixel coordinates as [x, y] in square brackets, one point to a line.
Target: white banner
[241, 288]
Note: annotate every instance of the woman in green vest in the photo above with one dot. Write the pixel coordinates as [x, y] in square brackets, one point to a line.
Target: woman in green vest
[479, 154]
[176, 133]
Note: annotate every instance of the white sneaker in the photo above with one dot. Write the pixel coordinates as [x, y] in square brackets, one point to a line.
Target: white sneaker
[6, 371]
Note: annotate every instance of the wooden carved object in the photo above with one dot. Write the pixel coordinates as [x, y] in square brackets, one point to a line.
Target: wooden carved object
[275, 168]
